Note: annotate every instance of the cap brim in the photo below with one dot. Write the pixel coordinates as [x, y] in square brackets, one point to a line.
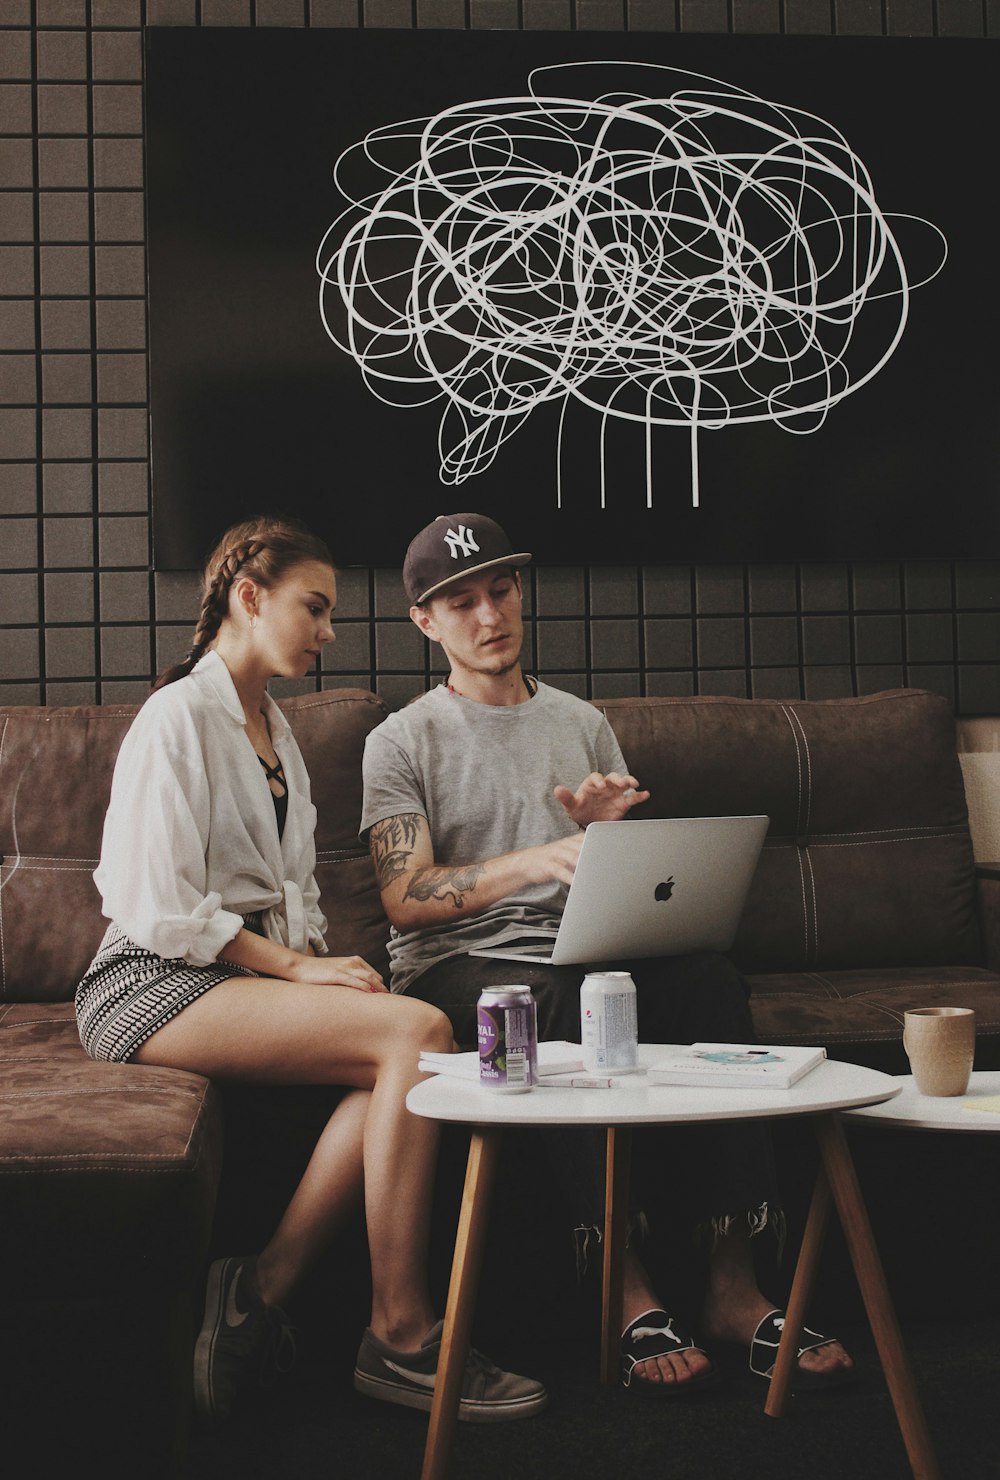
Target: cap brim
[523, 557]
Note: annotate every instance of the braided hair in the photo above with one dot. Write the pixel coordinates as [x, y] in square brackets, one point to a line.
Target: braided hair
[262, 548]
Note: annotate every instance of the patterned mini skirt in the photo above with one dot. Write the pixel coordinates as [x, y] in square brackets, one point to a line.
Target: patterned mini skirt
[129, 992]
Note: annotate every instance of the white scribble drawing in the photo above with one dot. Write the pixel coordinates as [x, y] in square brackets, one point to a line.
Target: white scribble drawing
[662, 247]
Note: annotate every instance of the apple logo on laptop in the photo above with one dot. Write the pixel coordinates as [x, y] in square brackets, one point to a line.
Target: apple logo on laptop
[664, 890]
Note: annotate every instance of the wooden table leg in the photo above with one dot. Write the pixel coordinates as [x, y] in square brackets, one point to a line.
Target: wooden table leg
[799, 1296]
[616, 1185]
[470, 1240]
[843, 1181]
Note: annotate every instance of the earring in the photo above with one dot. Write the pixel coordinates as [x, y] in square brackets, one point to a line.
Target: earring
[253, 621]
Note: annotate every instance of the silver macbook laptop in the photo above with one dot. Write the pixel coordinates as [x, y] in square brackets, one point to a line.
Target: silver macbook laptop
[651, 887]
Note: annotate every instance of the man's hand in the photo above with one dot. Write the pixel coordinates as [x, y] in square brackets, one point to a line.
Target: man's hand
[556, 860]
[601, 798]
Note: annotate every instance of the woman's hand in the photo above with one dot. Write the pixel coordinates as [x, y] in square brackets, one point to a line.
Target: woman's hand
[337, 971]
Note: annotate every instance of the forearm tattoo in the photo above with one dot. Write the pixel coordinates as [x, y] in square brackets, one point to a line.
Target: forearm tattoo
[444, 883]
[391, 843]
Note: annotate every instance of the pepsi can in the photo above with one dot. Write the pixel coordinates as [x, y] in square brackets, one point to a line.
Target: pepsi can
[609, 1021]
[507, 1022]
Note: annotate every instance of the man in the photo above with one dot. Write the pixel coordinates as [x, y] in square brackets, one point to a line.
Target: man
[474, 834]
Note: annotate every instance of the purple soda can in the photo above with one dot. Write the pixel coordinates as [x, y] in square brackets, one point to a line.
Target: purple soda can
[508, 1039]
[609, 1027]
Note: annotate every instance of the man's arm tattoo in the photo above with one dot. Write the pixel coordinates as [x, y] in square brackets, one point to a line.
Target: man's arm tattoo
[391, 843]
[443, 883]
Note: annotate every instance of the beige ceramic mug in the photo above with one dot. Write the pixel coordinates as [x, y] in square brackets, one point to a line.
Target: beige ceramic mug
[940, 1043]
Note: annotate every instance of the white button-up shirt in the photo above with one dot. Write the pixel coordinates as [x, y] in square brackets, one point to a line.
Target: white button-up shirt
[191, 839]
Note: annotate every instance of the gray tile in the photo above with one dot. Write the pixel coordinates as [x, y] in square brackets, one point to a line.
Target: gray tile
[124, 691]
[66, 432]
[17, 380]
[17, 325]
[874, 678]
[562, 645]
[547, 15]
[342, 14]
[979, 637]
[124, 541]
[125, 596]
[876, 585]
[17, 434]
[721, 642]
[666, 590]
[492, 15]
[909, 17]
[727, 682]
[16, 216]
[62, 56]
[62, 109]
[18, 491]
[117, 164]
[121, 13]
[117, 56]
[20, 693]
[930, 637]
[122, 433]
[617, 685]
[65, 271]
[121, 324]
[19, 544]
[858, 17]
[960, 18]
[67, 488]
[121, 378]
[979, 689]
[599, 15]
[171, 13]
[124, 652]
[826, 640]
[123, 488]
[17, 166]
[171, 644]
[17, 270]
[399, 645]
[65, 325]
[390, 598]
[117, 109]
[70, 652]
[15, 55]
[927, 584]
[719, 588]
[69, 596]
[776, 683]
[119, 272]
[696, 15]
[71, 693]
[19, 597]
[668, 642]
[66, 378]
[807, 17]
[614, 591]
[350, 650]
[177, 594]
[69, 542]
[878, 640]
[824, 587]
[774, 641]
[15, 108]
[280, 13]
[614, 644]
[977, 583]
[568, 683]
[834, 682]
[352, 592]
[939, 678]
[62, 12]
[64, 216]
[773, 588]
[395, 14]
[559, 590]
[397, 690]
[118, 216]
[18, 655]
[670, 685]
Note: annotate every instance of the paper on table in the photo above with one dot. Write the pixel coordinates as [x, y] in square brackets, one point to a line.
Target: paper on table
[553, 1058]
[988, 1102]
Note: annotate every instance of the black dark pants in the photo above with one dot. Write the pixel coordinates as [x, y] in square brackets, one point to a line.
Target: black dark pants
[681, 1175]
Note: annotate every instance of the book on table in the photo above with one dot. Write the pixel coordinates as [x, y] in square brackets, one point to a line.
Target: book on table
[555, 1057]
[754, 1065]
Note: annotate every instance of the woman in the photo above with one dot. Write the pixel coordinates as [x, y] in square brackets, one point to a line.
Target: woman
[215, 962]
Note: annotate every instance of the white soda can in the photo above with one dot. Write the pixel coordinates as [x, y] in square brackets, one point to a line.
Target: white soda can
[609, 1022]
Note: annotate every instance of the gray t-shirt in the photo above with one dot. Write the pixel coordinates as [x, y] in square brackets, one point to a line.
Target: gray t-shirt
[482, 775]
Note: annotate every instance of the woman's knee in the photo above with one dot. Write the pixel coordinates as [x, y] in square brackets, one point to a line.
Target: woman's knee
[419, 1025]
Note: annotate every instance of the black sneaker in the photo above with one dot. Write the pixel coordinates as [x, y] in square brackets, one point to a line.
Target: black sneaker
[488, 1394]
[242, 1341]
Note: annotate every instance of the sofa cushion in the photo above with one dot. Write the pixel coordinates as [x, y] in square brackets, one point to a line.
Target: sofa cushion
[868, 860]
[108, 1171]
[55, 781]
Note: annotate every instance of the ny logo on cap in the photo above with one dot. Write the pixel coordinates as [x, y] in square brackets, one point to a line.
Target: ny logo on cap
[464, 541]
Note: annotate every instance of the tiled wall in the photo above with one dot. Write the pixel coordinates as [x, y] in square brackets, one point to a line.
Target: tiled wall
[82, 615]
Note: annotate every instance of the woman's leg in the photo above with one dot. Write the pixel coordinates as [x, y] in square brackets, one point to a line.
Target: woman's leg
[284, 1033]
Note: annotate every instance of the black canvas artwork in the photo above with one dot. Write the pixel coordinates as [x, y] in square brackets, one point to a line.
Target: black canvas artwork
[645, 298]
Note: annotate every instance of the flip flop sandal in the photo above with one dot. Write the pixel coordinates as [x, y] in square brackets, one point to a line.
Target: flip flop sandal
[764, 1354]
[655, 1334]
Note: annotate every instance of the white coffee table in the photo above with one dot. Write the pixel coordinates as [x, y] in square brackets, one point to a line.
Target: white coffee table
[914, 1111]
[830, 1088]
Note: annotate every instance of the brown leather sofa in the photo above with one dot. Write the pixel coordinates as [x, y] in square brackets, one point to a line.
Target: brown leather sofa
[866, 902]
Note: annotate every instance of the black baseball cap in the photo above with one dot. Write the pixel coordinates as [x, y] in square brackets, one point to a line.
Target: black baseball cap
[453, 546]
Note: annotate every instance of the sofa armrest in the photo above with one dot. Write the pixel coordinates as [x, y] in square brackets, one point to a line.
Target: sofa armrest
[988, 901]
